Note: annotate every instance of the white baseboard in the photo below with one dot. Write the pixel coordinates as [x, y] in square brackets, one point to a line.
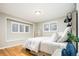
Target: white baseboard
[11, 44]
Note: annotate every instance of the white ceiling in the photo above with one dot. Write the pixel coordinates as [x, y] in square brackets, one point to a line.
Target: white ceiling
[27, 10]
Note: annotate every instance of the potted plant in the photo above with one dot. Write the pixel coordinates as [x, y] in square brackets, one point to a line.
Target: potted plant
[72, 39]
[71, 48]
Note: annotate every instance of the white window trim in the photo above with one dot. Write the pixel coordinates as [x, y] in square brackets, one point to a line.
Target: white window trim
[57, 27]
[29, 28]
[49, 26]
[11, 27]
[43, 27]
[19, 27]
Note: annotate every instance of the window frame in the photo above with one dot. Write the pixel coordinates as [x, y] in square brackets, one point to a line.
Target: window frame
[19, 27]
[28, 29]
[44, 27]
[49, 23]
[56, 25]
[12, 27]
[23, 29]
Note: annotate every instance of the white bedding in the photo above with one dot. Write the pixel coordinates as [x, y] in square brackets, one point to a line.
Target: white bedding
[51, 47]
[46, 44]
[34, 43]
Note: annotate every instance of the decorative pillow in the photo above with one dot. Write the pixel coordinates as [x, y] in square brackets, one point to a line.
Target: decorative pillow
[60, 34]
[54, 37]
[64, 35]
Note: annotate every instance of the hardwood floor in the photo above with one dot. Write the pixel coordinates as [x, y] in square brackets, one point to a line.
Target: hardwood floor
[14, 51]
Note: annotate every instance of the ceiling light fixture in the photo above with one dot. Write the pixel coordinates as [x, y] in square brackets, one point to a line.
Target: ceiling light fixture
[37, 12]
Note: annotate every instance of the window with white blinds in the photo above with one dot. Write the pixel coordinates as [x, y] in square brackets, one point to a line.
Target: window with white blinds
[19, 27]
[14, 27]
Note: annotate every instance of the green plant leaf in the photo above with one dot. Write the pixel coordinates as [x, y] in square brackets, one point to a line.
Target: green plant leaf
[72, 38]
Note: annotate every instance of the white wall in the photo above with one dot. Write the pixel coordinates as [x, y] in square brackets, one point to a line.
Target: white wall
[7, 38]
[35, 29]
[61, 26]
[2, 29]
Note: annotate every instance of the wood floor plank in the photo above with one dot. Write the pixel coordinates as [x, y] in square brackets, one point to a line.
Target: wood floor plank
[14, 51]
[2, 53]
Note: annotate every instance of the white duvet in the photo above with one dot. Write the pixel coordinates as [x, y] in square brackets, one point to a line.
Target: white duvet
[34, 43]
[51, 47]
[47, 44]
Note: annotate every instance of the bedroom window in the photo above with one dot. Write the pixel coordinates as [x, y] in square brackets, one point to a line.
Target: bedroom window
[46, 27]
[15, 27]
[53, 27]
[19, 27]
[50, 27]
[27, 28]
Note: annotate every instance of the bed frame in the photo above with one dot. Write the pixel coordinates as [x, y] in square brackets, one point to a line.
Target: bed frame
[38, 53]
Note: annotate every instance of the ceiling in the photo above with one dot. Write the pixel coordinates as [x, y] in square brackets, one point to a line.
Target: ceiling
[26, 11]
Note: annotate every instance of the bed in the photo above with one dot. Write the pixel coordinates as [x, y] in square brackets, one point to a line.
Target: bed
[47, 45]
[34, 43]
[52, 47]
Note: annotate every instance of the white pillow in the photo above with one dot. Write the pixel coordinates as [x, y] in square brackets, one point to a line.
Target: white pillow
[60, 34]
[68, 29]
[64, 36]
[54, 37]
